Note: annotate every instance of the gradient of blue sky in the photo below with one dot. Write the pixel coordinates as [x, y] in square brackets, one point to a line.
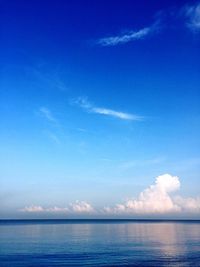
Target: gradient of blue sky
[92, 120]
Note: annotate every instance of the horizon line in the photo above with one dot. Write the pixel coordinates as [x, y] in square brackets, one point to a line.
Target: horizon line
[99, 220]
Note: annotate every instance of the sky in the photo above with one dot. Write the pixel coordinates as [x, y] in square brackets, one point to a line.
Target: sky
[99, 109]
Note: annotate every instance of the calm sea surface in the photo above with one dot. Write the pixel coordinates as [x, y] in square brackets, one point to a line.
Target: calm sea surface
[99, 243]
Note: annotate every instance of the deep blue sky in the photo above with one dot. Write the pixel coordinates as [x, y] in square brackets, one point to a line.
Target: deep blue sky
[88, 117]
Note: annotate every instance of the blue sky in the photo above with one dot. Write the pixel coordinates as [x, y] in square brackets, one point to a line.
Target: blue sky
[97, 99]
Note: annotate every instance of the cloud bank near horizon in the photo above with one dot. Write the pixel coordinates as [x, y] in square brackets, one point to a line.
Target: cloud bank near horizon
[77, 207]
[157, 199]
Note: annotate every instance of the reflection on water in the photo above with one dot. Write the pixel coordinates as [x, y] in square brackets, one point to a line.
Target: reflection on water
[102, 244]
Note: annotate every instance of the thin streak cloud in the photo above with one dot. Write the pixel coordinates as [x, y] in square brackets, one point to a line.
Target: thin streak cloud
[85, 104]
[46, 113]
[128, 37]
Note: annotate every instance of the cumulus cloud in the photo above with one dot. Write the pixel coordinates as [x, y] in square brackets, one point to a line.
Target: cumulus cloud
[157, 199]
[76, 207]
[81, 207]
[188, 204]
[57, 209]
[32, 208]
[85, 104]
[192, 14]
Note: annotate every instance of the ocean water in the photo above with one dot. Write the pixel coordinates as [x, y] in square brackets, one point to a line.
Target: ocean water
[99, 243]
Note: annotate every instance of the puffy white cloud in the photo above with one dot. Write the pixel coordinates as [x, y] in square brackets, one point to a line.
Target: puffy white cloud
[188, 204]
[76, 207]
[156, 199]
[166, 183]
[32, 208]
[57, 209]
[81, 207]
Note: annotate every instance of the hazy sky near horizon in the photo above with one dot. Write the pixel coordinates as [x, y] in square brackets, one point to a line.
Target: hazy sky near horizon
[99, 104]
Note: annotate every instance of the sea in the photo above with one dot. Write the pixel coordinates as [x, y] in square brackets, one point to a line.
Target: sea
[99, 243]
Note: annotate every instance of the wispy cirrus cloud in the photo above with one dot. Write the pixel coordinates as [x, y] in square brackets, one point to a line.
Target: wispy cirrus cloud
[129, 36]
[53, 137]
[192, 14]
[47, 114]
[85, 104]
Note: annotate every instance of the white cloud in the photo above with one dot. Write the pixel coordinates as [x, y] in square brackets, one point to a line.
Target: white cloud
[54, 138]
[156, 199]
[81, 207]
[188, 204]
[76, 207]
[57, 209]
[122, 39]
[128, 37]
[192, 14]
[36, 209]
[46, 113]
[117, 114]
[33, 208]
[85, 104]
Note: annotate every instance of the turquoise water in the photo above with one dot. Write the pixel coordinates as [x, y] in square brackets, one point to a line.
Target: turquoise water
[99, 243]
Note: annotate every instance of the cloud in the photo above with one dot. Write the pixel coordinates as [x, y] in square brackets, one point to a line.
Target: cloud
[85, 104]
[33, 209]
[47, 78]
[54, 138]
[156, 199]
[192, 14]
[46, 113]
[128, 37]
[73, 208]
[122, 39]
[81, 207]
[188, 204]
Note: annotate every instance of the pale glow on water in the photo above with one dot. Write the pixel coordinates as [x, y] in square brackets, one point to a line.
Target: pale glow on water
[102, 244]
